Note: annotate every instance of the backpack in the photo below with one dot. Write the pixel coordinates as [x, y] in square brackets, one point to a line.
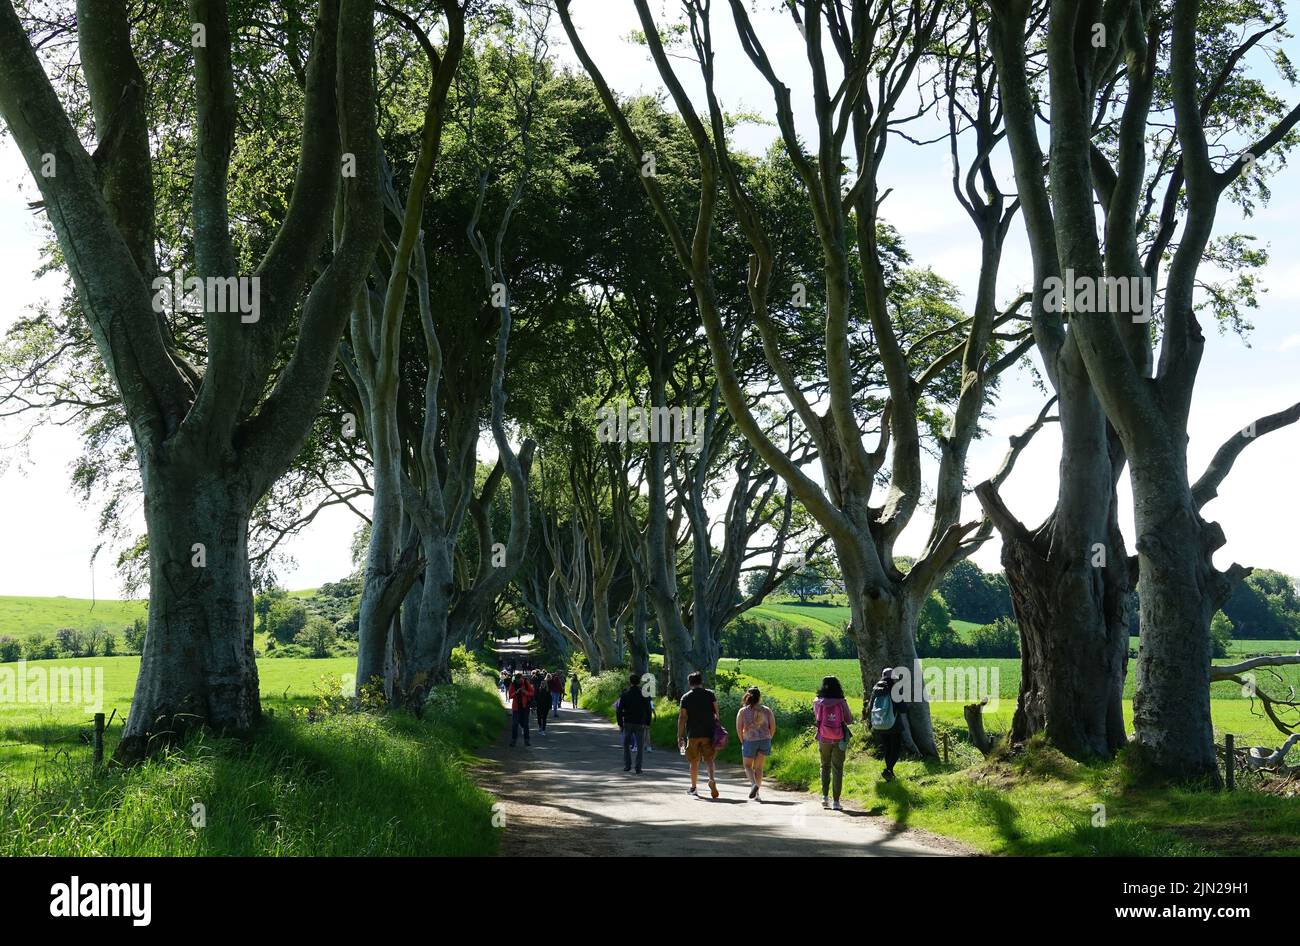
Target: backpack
[882, 711]
[833, 719]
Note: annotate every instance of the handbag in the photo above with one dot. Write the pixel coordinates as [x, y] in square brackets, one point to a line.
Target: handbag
[720, 737]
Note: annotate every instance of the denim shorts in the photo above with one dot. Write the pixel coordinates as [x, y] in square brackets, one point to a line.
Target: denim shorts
[754, 746]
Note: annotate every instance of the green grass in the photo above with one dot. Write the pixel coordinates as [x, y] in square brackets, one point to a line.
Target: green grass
[1037, 802]
[1040, 803]
[821, 619]
[1232, 711]
[828, 619]
[343, 784]
[21, 616]
[1247, 648]
[34, 735]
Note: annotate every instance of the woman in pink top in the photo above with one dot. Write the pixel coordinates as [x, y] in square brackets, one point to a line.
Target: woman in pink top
[833, 716]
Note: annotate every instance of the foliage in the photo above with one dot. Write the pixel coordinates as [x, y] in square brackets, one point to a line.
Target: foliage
[286, 619]
[1220, 634]
[974, 594]
[1265, 606]
[318, 636]
[935, 635]
[999, 639]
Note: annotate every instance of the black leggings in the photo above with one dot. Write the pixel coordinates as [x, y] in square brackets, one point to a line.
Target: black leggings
[893, 744]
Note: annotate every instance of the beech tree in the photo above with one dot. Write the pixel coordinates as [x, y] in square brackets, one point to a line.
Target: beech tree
[1104, 61]
[210, 438]
[879, 48]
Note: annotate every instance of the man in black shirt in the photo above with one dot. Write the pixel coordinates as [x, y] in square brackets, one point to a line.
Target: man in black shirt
[633, 717]
[695, 725]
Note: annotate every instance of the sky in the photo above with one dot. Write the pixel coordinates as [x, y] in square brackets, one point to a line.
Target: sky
[48, 536]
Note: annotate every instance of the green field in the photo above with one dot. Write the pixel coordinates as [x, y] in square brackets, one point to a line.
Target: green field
[21, 616]
[823, 619]
[32, 736]
[799, 679]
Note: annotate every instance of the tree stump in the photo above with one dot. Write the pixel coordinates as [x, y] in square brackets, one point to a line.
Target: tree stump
[975, 723]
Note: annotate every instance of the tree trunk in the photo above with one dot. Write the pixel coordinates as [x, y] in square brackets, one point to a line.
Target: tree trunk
[379, 602]
[1073, 643]
[602, 631]
[422, 658]
[1179, 592]
[884, 626]
[198, 667]
[637, 646]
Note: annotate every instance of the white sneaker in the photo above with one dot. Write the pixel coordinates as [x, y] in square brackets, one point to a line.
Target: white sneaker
[826, 802]
[836, 807]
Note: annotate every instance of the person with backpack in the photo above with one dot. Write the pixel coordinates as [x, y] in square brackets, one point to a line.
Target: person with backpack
[542, 700]
[755, 725]
[833, 716]
[575, 690]
[520, 694]
[887, 712]
[633, 713]
[696, 722]
[557, 692]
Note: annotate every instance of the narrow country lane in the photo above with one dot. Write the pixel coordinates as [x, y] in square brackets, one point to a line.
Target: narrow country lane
[567, 794]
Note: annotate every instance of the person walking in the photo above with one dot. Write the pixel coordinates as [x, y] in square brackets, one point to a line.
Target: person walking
[755, 725]
[542, 701]
[833, 716]
[887, 711]
[520, 694]
[557, 692]
[633, 717]
[696, 721]
[575, 690]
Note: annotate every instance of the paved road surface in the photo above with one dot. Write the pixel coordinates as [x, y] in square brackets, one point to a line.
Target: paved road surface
[567, 794]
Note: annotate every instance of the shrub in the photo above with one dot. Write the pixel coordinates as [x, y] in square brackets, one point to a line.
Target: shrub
[109, 644]
[461, 660]
[727, 680]
[286, 619]
[1220, 634]
[317, 637]
[71, 641]
[999, 639]
[601, 690]
[10, 649]
[935, 636]
[37, 647]
[134, 635]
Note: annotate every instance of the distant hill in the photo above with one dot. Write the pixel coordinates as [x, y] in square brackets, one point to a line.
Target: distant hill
[20, 616]
[826, 618]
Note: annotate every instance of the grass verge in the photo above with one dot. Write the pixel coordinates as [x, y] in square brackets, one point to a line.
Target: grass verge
[340, 784]
[1031, 802]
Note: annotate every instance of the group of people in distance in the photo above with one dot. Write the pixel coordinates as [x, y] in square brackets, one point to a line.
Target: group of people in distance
[535, 692]
[700, 733]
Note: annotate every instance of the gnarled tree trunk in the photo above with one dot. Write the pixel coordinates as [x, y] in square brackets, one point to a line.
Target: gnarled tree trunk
[1181, 590]
[198, 665]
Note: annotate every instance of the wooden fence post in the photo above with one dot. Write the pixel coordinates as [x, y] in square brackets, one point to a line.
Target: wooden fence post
[1230, 759]
[99, 741]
